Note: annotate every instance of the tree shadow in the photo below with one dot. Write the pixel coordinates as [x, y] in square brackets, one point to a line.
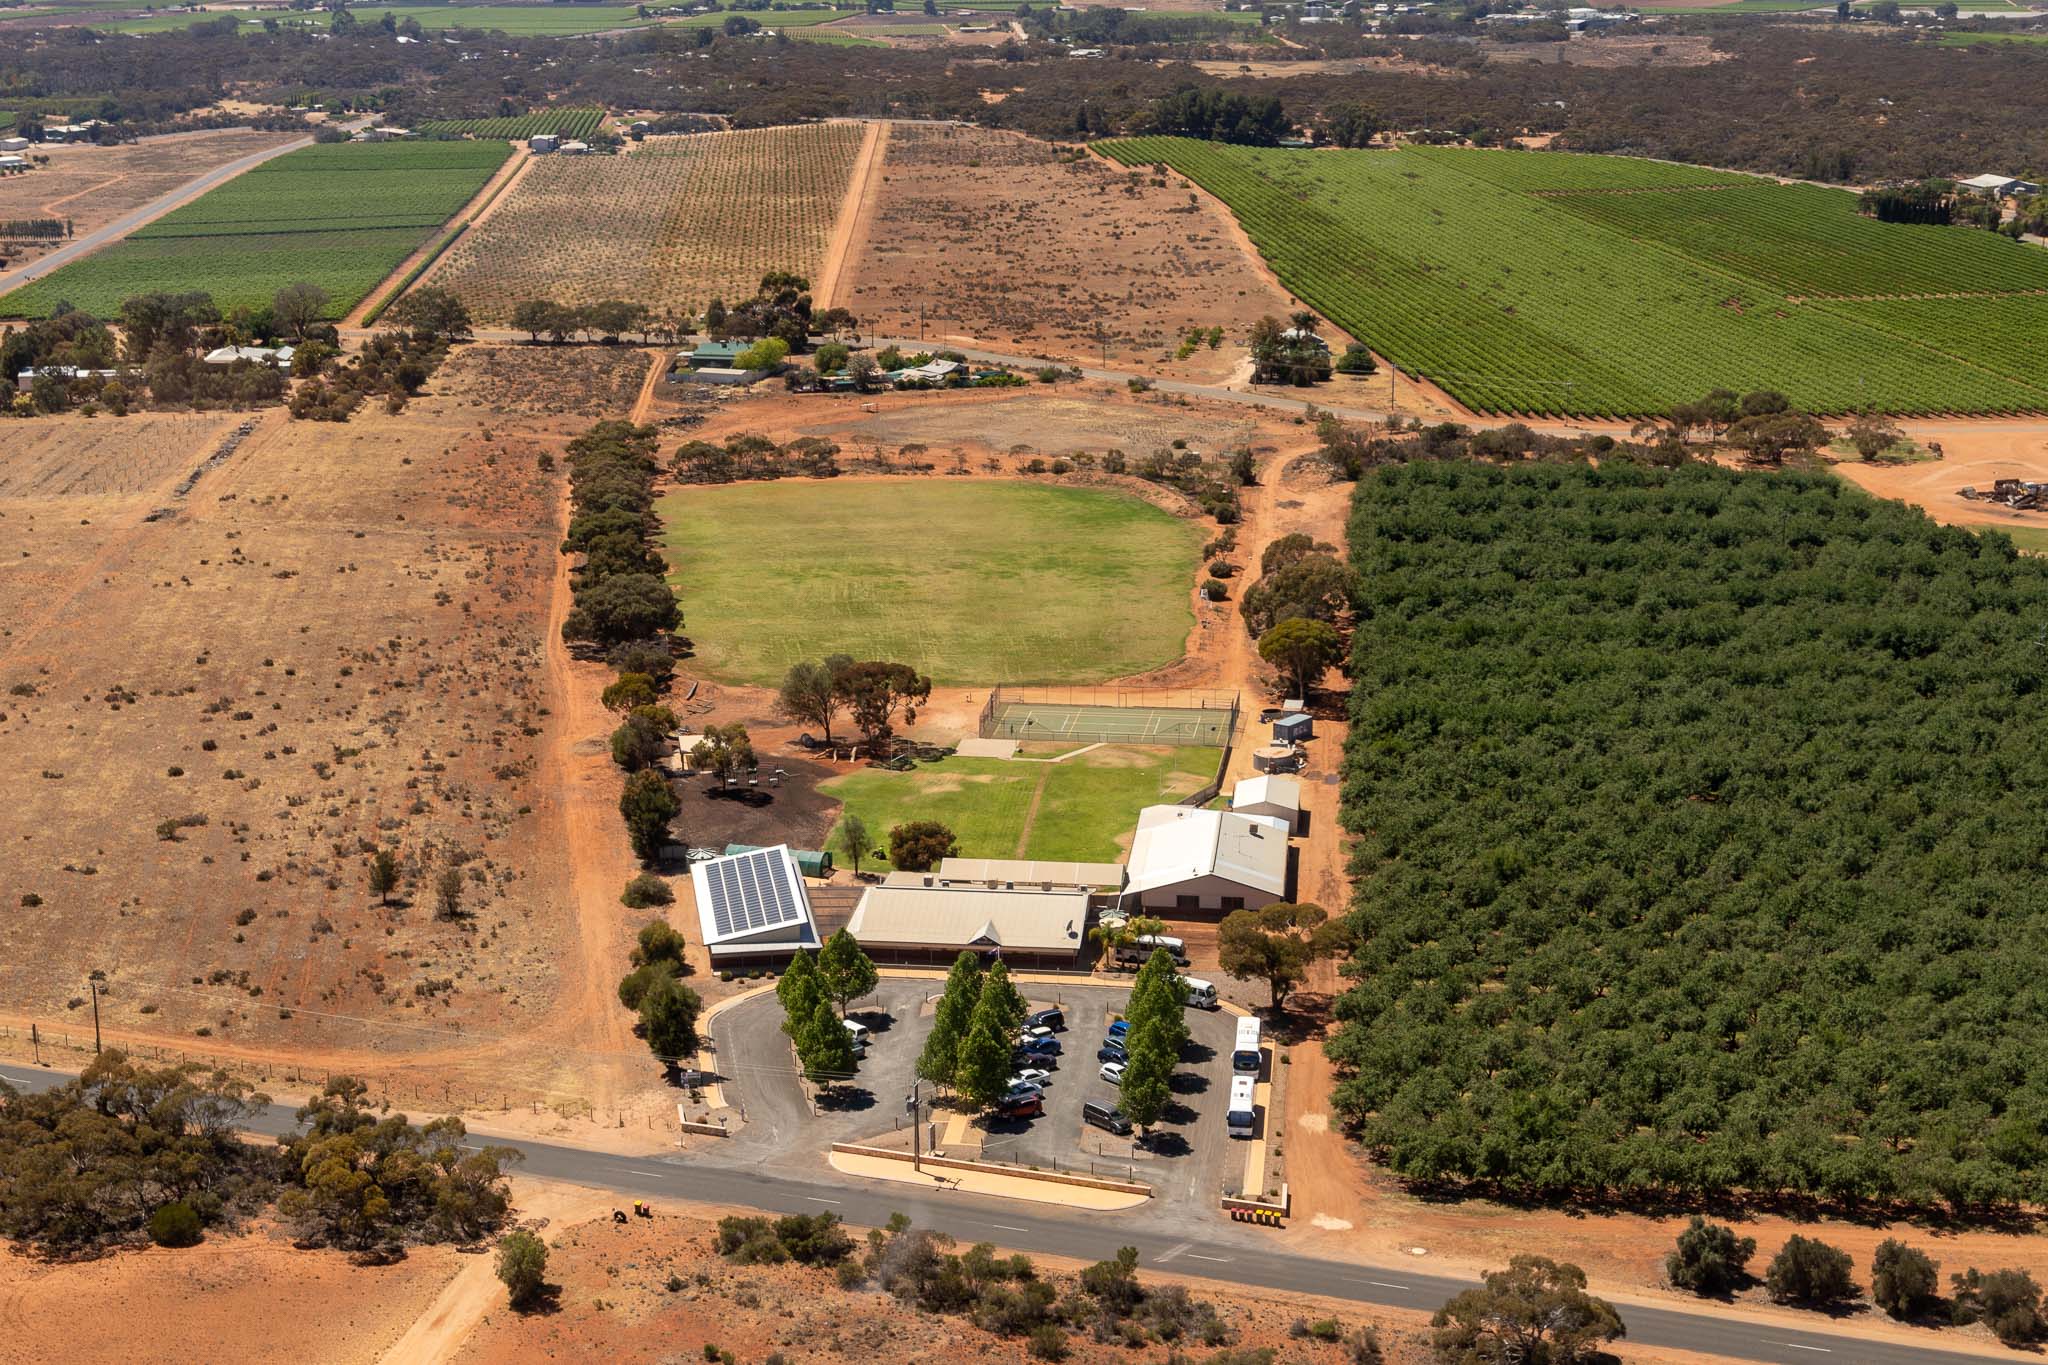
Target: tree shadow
[876, 1020]
[542, 1302]
[1197, 1053]
[841, 1098]
[1165, 1144]
[1176, 1113]
[1187, 1083]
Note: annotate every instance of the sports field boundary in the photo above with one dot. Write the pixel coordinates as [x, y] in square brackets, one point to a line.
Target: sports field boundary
[1111, 715]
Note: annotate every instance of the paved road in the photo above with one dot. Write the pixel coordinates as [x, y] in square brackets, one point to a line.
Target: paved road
[1229, 1254]
[156, 208]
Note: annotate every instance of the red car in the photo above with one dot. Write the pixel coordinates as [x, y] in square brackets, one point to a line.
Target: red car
[1020, 1107]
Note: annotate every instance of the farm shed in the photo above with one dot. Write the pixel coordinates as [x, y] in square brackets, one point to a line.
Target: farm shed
[27, 378]
[924, 917]
[574, 147]
[13, 163]
[752, 908]
[13, 144]
[1270, 795]
[262, 355]
[1999, 186]
[1188, 862]
[810, 862]
[544, 142]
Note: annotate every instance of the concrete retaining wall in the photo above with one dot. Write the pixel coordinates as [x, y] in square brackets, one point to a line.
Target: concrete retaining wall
[991, 1168]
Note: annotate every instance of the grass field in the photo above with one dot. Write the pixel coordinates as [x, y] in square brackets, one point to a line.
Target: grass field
[342, 216]
[573, 123]
[657, 225]
[1085, 805]
[971, 582]
[1608, 286]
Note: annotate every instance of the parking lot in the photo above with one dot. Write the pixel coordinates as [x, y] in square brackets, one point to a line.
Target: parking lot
[1187, 1160]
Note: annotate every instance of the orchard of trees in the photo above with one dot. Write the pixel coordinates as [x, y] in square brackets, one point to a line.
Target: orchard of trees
[1698, 847]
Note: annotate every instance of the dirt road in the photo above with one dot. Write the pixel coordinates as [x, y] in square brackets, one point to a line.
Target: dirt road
[848, 231]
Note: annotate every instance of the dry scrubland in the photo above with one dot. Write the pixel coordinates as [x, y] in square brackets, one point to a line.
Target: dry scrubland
[334, 641]
[1004, 243]
[672, 223]
[92, 186]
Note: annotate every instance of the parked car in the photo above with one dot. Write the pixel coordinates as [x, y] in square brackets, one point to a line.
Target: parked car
[1023, 1088]
[1031, 1075]
[1019, 1059]
[1112, 1052]
[1020, 1106]
[1053, 1019]
[1118, 1029]
[1113, 1072]
[1104, 1116]
[1047, 1046]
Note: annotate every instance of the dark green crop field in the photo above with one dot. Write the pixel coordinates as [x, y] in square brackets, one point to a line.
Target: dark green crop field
[1557, 284]
[1700, 839]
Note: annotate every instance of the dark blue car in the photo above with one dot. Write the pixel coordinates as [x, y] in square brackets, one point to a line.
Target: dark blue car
[1039, 1047]
[1111, 1052]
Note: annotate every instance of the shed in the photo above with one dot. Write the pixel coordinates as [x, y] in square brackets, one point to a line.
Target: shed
[1271, 795]
[13, 163]
[1294, 728]
[13, 144]
[1999, 186]
[543, 142]
[1192, 862]
[262, 355]
[810, 862]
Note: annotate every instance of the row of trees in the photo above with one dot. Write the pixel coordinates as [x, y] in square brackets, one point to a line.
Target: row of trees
[1293, 609]
[1156, 1016]
[1905, 1281]
[839, 973]
[974, 1028]
[871, 693]
[654, 990]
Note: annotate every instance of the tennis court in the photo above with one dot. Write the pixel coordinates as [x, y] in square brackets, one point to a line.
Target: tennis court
[1030, 720]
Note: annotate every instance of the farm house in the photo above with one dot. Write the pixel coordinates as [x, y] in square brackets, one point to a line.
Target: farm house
[922, 917]
[1187, 861]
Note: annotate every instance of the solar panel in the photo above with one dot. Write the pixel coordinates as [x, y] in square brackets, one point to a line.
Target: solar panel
[750, 892]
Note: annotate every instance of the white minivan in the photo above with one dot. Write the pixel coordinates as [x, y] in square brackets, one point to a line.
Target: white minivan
[1199, 994]
[859, 1032]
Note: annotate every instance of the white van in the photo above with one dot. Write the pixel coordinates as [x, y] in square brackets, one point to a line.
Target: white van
[859, 1033]
[1197, 993]
[1175, 948]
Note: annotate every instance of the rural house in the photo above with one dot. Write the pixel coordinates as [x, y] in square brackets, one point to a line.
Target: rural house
[1998, 186]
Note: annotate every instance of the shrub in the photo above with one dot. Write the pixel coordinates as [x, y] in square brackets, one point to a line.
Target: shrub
[645, 890]
[1709, 1258]
[1048, 1342]
[174, 1225]
[1809, 1271]
[523, 1266]
[2006, 1301]
[1903, 1280]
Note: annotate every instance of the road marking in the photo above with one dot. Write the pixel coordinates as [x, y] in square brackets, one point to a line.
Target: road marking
[1172, 1252]
[1795, 1346]
[1383, 1284]
[815, 1200]
[1007, 1228]
[656, 1174]
[1198, 1256]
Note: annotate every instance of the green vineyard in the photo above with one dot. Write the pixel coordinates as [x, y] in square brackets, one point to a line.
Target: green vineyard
[342, 216]
[571, 123]
[1561, 285]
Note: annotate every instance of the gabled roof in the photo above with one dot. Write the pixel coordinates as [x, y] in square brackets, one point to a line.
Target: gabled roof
[1267, 789]
[917, 909]
[1181, 843]
[1031, 872]
[751, 899]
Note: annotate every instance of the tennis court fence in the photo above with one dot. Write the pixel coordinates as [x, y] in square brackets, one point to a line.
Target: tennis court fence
[1111, 715]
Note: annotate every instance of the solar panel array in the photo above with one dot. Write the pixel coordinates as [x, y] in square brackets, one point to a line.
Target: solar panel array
[750, 892]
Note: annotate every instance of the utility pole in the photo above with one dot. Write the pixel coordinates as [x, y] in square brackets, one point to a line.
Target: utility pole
[916, 1124]
[94, 983]
[35, 1041]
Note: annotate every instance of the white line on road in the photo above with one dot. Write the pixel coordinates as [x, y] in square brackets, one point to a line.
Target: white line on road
[1795, 1346]
[1198, 1256]
[1007, 1228]
[1381, 1283]
[815, 1200]
[656, 1174]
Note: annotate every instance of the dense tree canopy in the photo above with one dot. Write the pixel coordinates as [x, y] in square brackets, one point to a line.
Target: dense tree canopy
[1698, 845]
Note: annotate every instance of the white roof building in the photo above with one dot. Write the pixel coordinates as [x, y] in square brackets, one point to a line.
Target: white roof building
[923, 916]
[264, 355]
[1031, 872]
[1999, 186]
[1191, 861]
[1269, 794]
[12, 163]
[752, 907]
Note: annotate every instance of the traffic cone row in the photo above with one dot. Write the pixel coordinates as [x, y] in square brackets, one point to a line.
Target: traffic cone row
[1264, 1217]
